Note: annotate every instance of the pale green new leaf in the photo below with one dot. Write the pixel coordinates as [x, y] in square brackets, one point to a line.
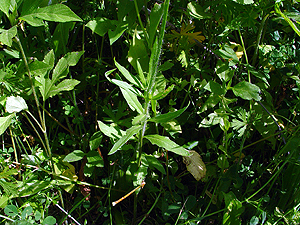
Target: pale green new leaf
[56, 13]
[129, 134]
[5, 122]
[125, 85]
[132, 100]
[6, 36]
[163, 118]
[247, 91]
[50, 59]
[166, 143]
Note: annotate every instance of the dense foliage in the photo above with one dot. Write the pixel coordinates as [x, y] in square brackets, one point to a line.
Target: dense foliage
[192, 106]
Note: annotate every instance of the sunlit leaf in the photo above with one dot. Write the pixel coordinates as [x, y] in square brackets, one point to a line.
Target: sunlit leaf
[195, 165]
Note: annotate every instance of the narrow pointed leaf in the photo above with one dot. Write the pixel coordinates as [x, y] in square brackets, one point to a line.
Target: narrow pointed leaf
[166, 143]
[127, 75]
[129, 134]
[132, 100]
[163, 118]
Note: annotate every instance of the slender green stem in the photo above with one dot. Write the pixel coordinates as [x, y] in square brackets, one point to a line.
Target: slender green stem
[245, 53]
[14, 145]
[149, 211]
[141, 23]
[29, 75]
[259, 38]
[213, 195]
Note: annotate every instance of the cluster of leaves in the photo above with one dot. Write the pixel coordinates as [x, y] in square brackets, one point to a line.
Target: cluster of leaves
[193, 105]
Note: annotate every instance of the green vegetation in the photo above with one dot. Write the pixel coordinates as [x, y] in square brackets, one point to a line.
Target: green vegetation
[192, 107]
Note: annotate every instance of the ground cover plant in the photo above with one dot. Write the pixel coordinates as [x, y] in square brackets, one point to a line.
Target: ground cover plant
[149, 112]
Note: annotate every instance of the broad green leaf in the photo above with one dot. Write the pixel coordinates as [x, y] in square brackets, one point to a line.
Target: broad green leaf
[26, 212]
[11, 210]
[60, 70]
[114, 35]
[100, 25]
[163, 118]
[38, 68]
[30, 5]
[3, 200]
[65, 85]
[127, 75]
[15, 104]
[215, 88]
[195, 10]
[110, 131]
[6, 36]
[153, 162]
[50, 59]
[94, 159]
[166, 143]
[73, 57]
[155, 17]
[132, 100]
[74, 156]
[247, 91]
[95, 140]
[56, 13]
[49, 220]
[212, 100]
[163, 94]
[4, 6]
[222, 162]
[128, 135]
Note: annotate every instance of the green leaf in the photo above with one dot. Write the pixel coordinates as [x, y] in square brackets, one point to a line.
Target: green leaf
[38, 68]
[50, 59]
[163, 94]
[153, 162]
[60, 70]
[166, 143]
[127, 75]
[49, 220]
[11, 210]
[222, 162]
[65, 85]
[128, 135]
[73, 57]
[94, 159]
[114, 35]
[56, 13]
[132, 100]
[4, 6]
[26, 212]
[247, 91]
[163, 118]
[15, 104]
[95, 140]
[155, 17]
[6, 36]
[100, 25]
[196, 11]
[110, 131]
[74, 156]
